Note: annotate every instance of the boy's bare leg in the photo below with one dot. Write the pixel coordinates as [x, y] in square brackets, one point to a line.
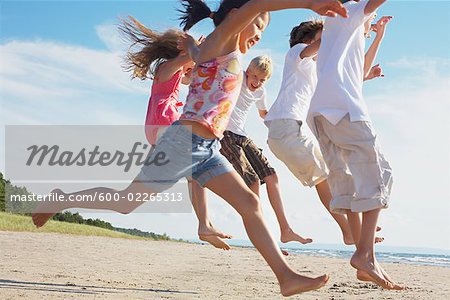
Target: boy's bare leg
[273, 192]
[323, 190]
[206, 231]
[46, 210]
[254, 187]
[246, 203]
[364, 257]
[355, 224]
[354, 221]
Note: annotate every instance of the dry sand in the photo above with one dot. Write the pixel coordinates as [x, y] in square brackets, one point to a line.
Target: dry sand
[55, 266]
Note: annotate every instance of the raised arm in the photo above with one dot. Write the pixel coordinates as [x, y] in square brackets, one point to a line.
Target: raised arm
[189, 51]
[379, 28]
[187, 44]
[237, 21]
[311, 50]
[372, 6]
[170, 67]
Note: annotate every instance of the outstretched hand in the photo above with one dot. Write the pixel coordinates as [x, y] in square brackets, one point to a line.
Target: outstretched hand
[375, 72]
[186, 43]
[380, 26]
[329, 8]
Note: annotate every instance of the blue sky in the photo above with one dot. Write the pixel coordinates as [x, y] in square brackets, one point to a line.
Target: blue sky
[60, 64]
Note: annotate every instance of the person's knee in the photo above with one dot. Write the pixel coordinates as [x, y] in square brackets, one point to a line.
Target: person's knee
[273, 178]
[252, 205]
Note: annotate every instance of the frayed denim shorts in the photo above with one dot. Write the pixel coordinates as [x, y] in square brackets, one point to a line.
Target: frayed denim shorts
[180, 153]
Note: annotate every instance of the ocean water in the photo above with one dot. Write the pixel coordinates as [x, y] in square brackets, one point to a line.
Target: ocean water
[403, 255]
[440, 260]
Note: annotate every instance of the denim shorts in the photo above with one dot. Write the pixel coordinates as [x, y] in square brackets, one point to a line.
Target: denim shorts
[180, 153]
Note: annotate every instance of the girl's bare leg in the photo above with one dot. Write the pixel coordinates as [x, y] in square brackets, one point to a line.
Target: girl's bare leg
[273, 191]
[231, 187]
[206, 231]
[323, 190]
[46, 210]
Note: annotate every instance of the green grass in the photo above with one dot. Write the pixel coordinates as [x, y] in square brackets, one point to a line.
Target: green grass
[12, 222]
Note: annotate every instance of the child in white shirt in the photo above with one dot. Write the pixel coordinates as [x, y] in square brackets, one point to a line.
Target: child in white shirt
[359, 176]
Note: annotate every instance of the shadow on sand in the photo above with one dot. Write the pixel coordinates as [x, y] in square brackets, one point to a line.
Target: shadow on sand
[78, 289]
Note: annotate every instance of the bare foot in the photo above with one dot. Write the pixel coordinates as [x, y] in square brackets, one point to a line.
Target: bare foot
[209, 230]
[45, 210]
[363, 262]
[348, 238]
[215, 241]
[300, 284]
[379, 239]
[363, 276]
[290, 236]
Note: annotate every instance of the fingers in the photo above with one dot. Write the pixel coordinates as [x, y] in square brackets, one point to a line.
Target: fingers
[330, 14]
[384, 20]
[329, 8]
[373, 27]
[338, 8]
[201, 39]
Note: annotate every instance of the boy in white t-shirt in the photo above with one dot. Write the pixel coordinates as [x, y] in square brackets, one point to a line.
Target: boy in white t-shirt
[360, 178]
[288, 138]
[245, 156]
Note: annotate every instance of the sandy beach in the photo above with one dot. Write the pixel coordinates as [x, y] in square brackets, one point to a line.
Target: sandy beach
[55, 266]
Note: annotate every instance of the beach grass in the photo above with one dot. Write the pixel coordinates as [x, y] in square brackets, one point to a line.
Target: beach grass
[13, 222]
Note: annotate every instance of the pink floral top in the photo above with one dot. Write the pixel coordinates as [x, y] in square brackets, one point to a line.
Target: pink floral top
[213, 92]
[163, 106]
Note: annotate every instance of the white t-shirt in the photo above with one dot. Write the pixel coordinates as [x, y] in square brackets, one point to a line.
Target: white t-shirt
[340, 68]
[297, 87]
[240, 111]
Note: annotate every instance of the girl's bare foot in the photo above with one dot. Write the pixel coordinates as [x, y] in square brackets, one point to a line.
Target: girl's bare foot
[290, 236]
[45, 210]
[365, 263]
[208, 233]
[215, 241]
[208, 230]
[379, 239]
[300, 284]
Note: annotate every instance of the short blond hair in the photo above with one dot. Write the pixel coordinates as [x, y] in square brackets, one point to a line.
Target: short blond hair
[262, 63]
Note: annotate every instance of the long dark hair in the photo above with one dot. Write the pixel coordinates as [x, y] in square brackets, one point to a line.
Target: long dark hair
[149, 48]
[197, 10]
